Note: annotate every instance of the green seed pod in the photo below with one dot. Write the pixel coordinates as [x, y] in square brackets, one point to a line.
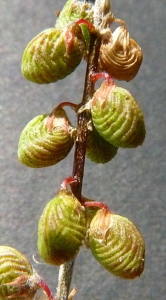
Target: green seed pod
[98, 149]
[61, 229]
[75, 10]
[117, 244]
[120, 56]
[18, 280]
[53, 54]
[117, 116]
[46, 140]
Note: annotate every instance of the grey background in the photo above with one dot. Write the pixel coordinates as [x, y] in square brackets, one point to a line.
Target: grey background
[133, 184]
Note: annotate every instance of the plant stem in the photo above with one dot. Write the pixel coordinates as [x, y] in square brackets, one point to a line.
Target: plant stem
[64, 280]
[66, 270]
[83, 119]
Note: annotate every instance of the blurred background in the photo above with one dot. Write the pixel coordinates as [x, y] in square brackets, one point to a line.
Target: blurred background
[133, 184]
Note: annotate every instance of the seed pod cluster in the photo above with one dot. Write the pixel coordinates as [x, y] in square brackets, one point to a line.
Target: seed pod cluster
[120, 56]
[18, 280]
[117, 121]
[117, 116]
[61, 228]
[98, 149]
[49, 57]
[46, 140]
[117, 244]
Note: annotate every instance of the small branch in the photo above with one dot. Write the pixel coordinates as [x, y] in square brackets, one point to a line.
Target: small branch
[65, 276]
[65, 272]
[101, 7]
[83, 119]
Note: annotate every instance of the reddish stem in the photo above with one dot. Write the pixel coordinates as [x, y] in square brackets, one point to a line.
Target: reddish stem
[87, 23]
[47, 290]
[67, 181]
[83, 119]
[96, 76]
[96, 204]
[79, 155]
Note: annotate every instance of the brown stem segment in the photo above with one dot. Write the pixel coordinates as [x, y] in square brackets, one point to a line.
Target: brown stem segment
[84, 117]
[66, 270]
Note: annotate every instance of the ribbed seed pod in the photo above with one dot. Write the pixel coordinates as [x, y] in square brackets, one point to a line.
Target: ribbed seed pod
[117, 116]
[117, 244]
[46, 140]
[74, 10]
[18, 280]
[47, 58]
[61, 229]
[98, 149]
[120, 56]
